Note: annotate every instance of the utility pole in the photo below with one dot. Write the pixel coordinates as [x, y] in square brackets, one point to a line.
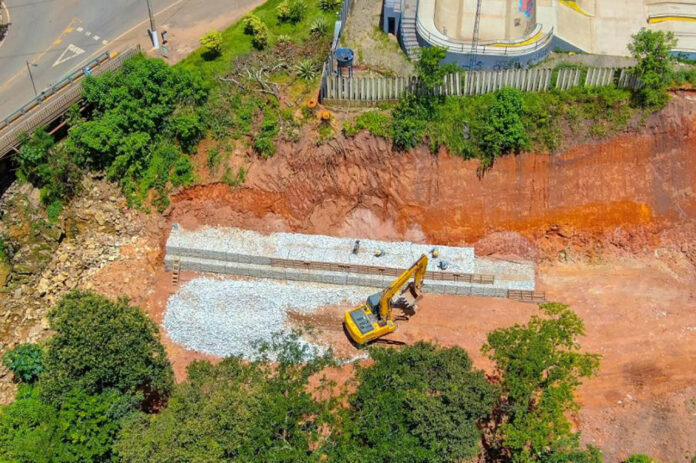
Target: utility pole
[31, 77]
[153, 28]
[475, 39]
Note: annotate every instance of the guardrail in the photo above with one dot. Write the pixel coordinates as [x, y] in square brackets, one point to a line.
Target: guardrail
[52, 102]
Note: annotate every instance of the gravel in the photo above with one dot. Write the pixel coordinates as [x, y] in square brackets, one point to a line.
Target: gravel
[229, 317]
[320, 248]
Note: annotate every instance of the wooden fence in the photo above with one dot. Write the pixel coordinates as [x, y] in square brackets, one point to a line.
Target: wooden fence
[370, 90]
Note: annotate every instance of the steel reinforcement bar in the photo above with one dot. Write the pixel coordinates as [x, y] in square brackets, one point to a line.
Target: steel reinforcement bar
[55, 105]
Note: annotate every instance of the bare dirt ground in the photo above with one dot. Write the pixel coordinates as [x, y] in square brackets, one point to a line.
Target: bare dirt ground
[639, 315]
[611, 224]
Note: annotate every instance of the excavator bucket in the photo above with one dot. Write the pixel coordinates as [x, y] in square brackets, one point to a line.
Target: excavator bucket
[409, 296]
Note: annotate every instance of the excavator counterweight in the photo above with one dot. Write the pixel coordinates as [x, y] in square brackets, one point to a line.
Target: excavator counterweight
[373, 319]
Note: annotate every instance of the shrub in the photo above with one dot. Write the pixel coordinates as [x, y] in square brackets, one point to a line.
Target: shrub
[503, 129]
[329, 5]
[212, 44]
[99, 345]
[213, 158]
[260, 38]
[53, 210]
[307, 69]
[252, 24]
[653, 49]
[375, 122]
[291, 11]
[409, 122]
[264, 142]
[32, 159]
[640, 458]
[25, 362]
[188, 130]
[319, 27]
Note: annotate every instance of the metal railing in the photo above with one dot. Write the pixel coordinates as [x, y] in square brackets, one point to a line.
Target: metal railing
[52, 102]
[488, 48]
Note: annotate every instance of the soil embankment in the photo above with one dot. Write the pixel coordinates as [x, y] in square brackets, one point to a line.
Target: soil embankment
[629, 192]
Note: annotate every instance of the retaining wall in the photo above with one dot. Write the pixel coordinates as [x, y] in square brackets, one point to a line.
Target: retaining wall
[333, 260]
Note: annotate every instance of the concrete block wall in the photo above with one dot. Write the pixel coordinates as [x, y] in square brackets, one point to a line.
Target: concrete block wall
[260, 270]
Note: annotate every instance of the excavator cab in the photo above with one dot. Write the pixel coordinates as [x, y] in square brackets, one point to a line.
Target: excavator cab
[373, 319]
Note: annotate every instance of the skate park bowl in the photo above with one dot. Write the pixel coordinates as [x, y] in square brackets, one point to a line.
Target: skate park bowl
[509, 34]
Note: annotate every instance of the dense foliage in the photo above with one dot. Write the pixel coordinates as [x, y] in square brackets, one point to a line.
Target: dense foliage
[79, 428]
[503, 129]
[540, 367]
[233, 411]
[25, 362]
[653, 49]
[507, 121]
[420, 403]
[103, 361]
[101, 345]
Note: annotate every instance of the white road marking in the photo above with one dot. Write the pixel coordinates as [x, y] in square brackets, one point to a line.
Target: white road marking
[69, 53]
[80, 29]
[88, 33]
[104, 42]
[95, 37]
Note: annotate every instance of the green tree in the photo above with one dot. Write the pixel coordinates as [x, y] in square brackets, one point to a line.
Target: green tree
[212, 44]
[430, 69]
[25, 362]
[540, 366]
[420, 403]
[654, 68]
[235, 411]
[82, 428]
[100, 345]
[503, 130]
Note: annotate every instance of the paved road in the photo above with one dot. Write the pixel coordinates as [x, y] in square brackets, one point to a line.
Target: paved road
[57, 36]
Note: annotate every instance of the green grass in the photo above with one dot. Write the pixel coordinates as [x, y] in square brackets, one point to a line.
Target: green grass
[235, 42]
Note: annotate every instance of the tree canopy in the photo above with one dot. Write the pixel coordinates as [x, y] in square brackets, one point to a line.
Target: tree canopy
[102, 344]
[653, 49]
[233, 411]
[420, 403]
[103, 361]
[540, 366]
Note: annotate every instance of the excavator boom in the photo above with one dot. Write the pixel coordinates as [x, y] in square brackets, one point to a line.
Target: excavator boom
[373, 319]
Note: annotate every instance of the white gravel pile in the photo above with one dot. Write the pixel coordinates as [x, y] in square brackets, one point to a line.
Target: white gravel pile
[318, 248]
[229, 317]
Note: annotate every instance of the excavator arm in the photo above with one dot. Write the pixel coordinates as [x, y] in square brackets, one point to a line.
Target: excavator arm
[417, 272]
[374, 318]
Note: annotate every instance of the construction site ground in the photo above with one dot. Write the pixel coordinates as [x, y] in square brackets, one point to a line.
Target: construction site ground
[611, 226]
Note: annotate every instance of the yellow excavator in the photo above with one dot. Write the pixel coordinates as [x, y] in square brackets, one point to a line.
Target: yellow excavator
[373, 319]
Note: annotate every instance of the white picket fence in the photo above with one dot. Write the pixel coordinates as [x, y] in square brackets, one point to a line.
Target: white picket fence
[367, 90]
